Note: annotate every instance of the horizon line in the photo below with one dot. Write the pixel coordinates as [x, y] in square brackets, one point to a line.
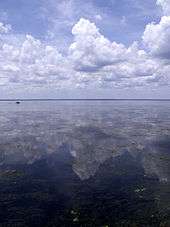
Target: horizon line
[83, 99]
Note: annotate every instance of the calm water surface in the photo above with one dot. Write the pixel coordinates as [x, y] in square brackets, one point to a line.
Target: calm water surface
[85, 163]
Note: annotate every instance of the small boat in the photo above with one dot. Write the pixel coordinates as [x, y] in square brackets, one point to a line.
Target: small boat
[17, 102]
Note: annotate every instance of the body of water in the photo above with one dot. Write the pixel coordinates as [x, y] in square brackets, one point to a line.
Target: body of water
[85, 163]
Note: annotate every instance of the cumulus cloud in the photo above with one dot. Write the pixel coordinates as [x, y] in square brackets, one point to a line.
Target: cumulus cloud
[92, 60]
[107, 63]
[165, 4]
[32, 62]
[91, 50]
[156, 37]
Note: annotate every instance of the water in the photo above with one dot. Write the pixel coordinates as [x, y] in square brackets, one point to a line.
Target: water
[85, 163]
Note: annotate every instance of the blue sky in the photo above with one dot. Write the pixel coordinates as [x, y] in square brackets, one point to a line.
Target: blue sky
[36, 17]
[84, 49]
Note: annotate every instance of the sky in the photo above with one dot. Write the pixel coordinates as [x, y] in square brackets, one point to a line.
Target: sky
[85, 49]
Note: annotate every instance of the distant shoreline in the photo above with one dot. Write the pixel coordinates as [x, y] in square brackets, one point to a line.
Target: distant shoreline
[41, 100]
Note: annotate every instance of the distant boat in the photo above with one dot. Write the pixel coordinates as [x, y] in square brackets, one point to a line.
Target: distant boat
[17, 102]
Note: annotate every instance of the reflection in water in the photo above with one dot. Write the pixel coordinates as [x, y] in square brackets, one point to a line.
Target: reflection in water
[85, 163]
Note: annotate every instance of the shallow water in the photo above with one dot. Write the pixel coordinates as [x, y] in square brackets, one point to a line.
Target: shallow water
[85, 163]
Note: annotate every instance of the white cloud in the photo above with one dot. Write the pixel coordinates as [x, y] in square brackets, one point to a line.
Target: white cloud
[31, 63]
[98, 17]
[91, 60]
[156, 37]
[4, 28]
[62, 15]
[91, 50]
[106, 63]
[165, 4]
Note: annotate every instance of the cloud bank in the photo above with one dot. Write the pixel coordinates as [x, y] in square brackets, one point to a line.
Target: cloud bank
[91, 60]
